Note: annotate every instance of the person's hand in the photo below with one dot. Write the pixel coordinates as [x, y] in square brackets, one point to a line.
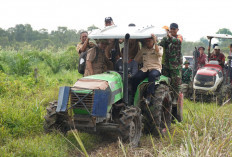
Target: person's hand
[169, 35]
[91, 44]
[154, 38]
[87, 39]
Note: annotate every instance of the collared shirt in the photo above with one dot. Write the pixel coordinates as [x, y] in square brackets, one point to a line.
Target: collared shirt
[202, 60]
[220, 58]
[151, 59]
[80, 45]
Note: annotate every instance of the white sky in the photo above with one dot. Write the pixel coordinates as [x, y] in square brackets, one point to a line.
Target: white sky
[196, 18]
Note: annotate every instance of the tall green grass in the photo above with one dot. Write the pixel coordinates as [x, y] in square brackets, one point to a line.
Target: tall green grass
[205, 131]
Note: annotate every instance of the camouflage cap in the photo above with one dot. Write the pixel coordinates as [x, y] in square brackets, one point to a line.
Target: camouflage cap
[186, 62]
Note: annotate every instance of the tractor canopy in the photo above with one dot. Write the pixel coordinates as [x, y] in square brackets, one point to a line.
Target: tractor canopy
[116, 32]
[222, 36]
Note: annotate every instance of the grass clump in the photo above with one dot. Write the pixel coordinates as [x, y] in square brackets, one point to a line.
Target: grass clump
[40, 145]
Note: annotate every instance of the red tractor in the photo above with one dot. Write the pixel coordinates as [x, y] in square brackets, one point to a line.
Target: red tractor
[212, 82]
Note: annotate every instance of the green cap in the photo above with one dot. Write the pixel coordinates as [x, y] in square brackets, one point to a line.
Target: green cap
[186, 62]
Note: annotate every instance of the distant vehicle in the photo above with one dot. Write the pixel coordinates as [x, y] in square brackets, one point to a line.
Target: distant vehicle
[212, 82]
[190, 59]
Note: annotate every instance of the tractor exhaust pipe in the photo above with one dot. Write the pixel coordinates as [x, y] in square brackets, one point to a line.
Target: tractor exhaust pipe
[125, 69]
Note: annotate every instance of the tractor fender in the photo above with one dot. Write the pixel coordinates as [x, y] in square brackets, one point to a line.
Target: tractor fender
[63, 99]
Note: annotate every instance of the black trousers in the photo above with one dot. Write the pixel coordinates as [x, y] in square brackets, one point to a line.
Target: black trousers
[140, 76]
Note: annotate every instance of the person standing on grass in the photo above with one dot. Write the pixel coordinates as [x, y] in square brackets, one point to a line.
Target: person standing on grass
[173, 61]
[186, 73]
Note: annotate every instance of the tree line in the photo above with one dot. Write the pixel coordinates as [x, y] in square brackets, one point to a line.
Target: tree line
[23, 35]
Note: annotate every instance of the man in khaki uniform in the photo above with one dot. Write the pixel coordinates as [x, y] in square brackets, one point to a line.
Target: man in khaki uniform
[96, 61]
[150, 56]
[84, 45]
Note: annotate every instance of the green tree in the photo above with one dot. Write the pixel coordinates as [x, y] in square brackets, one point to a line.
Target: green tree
[90, 28]
[224, 31]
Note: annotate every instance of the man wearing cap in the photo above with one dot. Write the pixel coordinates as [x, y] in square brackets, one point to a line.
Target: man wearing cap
[109, 21]
[96, 61]
[218, 56]
[213, 52]
[172, 63]
[84, 45]
[186, 73]
[113, 49]
[202, 59]
[150, 56]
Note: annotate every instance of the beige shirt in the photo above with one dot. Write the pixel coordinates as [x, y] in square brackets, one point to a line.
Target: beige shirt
[80, 45]
[150, 59]
[100, 64]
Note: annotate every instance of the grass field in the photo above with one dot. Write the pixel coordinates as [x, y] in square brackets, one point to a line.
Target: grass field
[205, 131]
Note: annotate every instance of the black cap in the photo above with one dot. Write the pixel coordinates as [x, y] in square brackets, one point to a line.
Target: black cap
[201, 47]
[173, 25]
[214, 45]
[108, 19]
[131, 25]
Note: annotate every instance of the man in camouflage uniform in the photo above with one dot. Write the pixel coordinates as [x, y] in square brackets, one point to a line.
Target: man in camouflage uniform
[172, 64]
[186, 73]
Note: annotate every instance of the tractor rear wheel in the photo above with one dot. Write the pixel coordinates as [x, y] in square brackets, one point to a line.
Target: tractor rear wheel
[54, 120]
[158, 114]
[130, 125]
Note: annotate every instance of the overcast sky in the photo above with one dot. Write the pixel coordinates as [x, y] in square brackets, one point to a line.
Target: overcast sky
[196, 18]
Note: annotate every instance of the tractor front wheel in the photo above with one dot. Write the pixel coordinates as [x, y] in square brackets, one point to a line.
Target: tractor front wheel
[130, 125]
[54, 120]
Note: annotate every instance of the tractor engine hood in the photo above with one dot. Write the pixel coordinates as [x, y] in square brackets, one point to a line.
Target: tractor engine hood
[100, 81]
[208, 78]
[207, 72]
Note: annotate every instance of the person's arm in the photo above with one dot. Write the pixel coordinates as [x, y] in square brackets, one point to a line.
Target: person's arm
[155, 43]
[89, 67]
[83, 48]
[223, 59]
[175, 40]
[91, 54]
[78, 48]
[138, 58]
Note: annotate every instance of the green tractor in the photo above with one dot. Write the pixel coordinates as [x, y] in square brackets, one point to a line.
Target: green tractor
[99, 103]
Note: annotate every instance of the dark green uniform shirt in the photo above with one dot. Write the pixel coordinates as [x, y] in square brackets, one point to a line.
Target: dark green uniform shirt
[186, 75]
[172, 58]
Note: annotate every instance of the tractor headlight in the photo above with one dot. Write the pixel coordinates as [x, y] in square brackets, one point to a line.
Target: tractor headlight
[211, 83]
